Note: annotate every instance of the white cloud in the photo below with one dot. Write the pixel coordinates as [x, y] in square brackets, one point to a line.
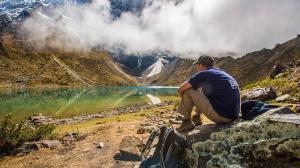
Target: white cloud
[193, 26]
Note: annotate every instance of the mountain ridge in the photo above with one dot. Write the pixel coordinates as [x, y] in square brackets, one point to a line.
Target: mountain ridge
[249, 68]
[22, 65]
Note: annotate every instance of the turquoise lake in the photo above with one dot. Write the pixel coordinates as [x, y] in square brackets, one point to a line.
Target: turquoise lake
[68, 102]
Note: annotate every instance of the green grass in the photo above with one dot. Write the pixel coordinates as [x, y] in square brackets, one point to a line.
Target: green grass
[284, 84]
[169, 98]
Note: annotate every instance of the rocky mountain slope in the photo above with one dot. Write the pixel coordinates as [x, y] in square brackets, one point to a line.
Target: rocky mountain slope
[249, 68]
[21, 64]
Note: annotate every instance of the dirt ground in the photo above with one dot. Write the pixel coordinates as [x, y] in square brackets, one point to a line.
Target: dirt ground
[83, 153]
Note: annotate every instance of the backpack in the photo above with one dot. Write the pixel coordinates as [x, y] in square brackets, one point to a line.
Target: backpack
[169, 151]
[253, 108]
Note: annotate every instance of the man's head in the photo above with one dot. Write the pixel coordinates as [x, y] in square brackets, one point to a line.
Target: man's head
[204, 62]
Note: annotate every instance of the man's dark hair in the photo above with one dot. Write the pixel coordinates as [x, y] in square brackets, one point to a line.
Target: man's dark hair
[205, 60]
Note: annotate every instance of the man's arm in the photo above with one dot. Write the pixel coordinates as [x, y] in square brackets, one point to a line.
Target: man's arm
[184, 86]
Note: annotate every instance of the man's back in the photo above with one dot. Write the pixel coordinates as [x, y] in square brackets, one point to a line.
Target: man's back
[221, 89]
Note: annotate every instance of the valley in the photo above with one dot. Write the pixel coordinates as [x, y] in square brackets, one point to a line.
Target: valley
[83, 83]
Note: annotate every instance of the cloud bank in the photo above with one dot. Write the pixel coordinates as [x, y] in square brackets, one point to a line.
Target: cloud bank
[193, 26]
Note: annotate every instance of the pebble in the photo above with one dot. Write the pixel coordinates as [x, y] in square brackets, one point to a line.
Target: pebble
[100, 145]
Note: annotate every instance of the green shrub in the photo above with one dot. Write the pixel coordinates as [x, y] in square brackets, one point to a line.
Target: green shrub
[13, 135]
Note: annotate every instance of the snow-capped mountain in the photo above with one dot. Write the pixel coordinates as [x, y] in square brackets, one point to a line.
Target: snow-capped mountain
[144, 64]
[13, 12]
[155, 68]
[18, 10]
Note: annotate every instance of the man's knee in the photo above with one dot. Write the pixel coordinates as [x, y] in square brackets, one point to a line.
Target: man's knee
[189, 92]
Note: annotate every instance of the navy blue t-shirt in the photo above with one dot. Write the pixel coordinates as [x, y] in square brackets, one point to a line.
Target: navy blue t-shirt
[221, 89]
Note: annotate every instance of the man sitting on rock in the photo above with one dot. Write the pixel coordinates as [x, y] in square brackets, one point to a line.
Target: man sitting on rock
[212, 91]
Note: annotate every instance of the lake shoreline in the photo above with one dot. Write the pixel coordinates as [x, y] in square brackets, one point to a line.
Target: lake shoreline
[43, 120]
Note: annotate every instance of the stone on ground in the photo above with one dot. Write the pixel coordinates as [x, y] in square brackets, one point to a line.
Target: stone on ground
[50, 143]
[282, 98]
[100, 145]
[40, 119]
[129, 148]
[26, 148]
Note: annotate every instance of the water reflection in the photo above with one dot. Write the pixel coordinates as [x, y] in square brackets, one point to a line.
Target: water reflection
[66, 102]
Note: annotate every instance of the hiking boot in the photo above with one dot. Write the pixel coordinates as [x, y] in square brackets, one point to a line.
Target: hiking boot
[197, 120]
[187, 125]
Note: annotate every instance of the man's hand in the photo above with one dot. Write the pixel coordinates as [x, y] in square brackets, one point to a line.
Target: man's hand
[185, 86]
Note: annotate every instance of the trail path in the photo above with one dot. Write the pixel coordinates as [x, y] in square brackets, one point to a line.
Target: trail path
[70, 71]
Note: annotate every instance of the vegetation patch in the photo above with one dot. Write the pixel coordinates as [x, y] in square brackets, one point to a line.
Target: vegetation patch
[13, 135]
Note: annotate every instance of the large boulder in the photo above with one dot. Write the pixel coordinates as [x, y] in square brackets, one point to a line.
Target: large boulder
[262, 94]
[270, 140]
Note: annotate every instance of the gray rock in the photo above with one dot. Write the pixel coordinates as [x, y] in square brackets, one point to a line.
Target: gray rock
[40, 119]
[71, 137]
[26, 148]
[262, 94]
[50, 143]
[270, 140]
[282, 98]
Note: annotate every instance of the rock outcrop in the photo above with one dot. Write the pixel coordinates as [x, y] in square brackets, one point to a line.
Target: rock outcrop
[270, 140]
[277, 69]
